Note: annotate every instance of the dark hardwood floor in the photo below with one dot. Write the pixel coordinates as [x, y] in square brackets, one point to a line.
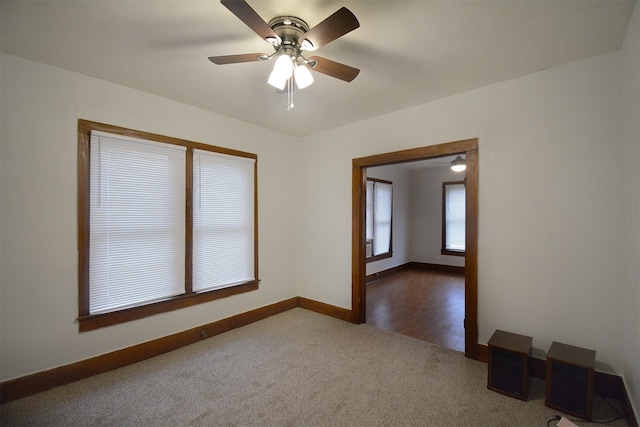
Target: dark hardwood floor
[423, 304]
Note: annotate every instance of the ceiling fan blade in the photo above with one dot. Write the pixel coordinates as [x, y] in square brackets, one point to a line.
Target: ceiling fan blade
[334, 69]
[336, 25]
[246, 14]
[234, 59]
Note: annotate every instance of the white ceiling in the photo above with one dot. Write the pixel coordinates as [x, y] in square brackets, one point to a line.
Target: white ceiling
[409, 52]
[431, 163]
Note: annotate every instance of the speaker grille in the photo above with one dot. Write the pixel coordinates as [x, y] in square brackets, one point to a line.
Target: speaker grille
[569, 387]
[506, 371]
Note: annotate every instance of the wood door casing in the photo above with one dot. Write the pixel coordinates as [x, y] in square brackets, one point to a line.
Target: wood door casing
[469, 148]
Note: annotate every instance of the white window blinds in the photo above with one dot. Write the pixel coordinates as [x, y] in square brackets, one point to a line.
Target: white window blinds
[369, 211]
[137, 227]
[378, 216]
[455, 217]
[223, 220]
[382, 214]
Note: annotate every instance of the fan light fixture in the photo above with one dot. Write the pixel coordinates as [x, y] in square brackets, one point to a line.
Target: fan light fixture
[302, 76]
[459, 164]
[282, 71]
[284, 68]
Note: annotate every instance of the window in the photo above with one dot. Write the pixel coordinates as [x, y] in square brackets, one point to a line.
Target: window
[453, 218]
[223, 220]
[162, 224]
[137, 227]
[379, 202]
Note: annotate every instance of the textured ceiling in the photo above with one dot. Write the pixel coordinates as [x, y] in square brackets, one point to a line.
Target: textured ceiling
[409, 52]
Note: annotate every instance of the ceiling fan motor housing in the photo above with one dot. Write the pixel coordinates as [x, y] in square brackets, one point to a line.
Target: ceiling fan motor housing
[289, 29]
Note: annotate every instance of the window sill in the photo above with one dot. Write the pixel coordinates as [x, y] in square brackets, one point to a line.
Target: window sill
[96, 321]
[451, 252]
[379, 257]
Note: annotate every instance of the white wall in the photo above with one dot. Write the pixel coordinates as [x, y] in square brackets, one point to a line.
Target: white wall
[39, 287]
[630, 80]
[400, 220]
[550, 202]
[426, 215]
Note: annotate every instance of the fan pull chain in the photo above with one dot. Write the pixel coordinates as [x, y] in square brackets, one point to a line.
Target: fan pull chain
[290, 90]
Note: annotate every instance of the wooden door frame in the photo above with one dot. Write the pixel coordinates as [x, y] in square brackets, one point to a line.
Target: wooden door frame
[469, 147]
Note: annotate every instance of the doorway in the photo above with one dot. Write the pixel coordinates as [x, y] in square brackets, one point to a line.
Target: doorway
[468, 147]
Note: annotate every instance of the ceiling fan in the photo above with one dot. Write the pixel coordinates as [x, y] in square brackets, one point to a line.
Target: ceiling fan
[457, 165]
[290, 36]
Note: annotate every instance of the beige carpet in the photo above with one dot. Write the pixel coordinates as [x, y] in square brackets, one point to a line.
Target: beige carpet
[298, 368]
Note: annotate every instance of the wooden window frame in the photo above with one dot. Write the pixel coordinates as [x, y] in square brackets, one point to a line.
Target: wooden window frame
[388, 254]
[444, 250]
[88, 321]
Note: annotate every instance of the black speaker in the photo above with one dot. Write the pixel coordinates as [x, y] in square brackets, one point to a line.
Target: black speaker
[569, 377]
[506, 371]
[569, 387]
[509, 364]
